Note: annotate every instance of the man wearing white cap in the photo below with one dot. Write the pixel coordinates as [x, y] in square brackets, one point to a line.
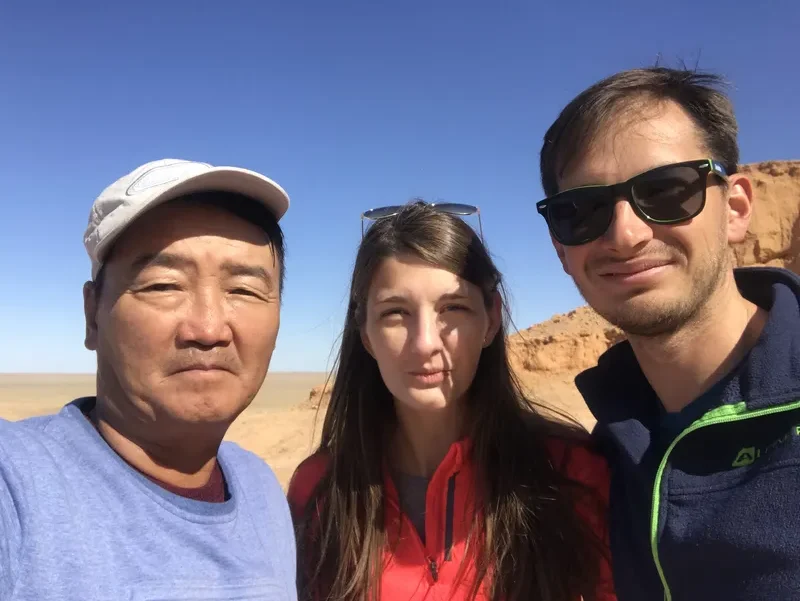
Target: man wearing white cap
[132, 494]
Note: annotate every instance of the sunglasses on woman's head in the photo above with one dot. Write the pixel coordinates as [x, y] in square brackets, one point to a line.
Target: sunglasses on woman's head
[452, 208]
[666, 195]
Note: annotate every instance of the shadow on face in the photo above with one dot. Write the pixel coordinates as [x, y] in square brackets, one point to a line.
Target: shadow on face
[186, 321]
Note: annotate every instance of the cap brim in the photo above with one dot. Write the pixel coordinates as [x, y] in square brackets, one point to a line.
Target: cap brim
[231, 179]
[217, 179]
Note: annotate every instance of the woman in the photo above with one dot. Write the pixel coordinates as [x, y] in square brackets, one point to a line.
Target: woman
[435, 477]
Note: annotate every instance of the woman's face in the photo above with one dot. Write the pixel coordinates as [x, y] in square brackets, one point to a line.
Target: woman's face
[426, 328]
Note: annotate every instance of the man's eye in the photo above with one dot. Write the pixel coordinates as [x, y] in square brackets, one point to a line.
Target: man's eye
[160, 287]
[244, 292]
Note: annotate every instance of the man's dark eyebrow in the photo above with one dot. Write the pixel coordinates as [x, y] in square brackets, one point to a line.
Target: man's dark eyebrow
[253, 271]
[161, 259]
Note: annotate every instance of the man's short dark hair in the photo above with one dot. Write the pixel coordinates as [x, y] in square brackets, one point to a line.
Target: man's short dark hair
[243, 207]
[594, 109]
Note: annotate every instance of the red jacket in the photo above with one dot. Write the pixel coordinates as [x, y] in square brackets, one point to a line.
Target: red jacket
[415, 571]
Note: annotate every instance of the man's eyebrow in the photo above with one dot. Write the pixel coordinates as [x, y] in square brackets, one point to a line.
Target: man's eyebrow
[253, 271]
[161, 259]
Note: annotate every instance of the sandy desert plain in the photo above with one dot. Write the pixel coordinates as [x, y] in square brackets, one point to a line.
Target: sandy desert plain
[277, 426]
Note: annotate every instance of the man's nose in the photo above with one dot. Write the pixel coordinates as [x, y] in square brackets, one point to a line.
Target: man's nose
[206, 322]
[627, 232]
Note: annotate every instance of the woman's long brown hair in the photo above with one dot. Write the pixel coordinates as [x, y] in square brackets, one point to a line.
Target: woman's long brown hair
[526, 540]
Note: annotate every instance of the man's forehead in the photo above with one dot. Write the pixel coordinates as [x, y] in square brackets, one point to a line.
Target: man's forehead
[637, 141]
[179, 235]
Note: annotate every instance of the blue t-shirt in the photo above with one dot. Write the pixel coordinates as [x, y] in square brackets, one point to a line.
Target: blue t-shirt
[78, 523]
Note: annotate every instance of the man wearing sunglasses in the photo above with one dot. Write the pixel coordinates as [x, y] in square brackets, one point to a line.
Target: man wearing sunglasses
[699, 410]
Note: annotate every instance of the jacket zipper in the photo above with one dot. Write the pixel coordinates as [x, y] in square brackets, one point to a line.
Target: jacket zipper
[448, 528]
[448, 521]
[434, 569]
[721, 415]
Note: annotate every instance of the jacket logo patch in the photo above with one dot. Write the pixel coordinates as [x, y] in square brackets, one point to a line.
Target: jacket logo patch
[748, 455]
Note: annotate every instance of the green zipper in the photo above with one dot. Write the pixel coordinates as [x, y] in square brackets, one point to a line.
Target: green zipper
[720, 415]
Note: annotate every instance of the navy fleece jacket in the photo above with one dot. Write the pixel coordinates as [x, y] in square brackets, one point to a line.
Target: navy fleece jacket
[705, 503]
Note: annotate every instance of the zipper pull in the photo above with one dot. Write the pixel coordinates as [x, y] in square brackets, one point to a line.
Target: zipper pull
[434, 570]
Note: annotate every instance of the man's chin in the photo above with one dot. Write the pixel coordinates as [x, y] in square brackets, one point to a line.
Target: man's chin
[645, 317]
[206, 408]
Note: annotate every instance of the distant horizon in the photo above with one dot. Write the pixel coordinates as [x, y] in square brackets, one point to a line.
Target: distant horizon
[82, 373]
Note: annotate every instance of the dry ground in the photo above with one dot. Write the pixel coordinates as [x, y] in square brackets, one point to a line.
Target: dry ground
[273, 426]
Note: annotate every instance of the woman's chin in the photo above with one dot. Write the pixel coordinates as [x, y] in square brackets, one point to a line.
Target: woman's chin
[432, 399]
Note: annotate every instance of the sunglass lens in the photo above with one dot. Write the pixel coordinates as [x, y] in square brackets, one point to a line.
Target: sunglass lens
[455, 208]
[580, 216]
[672, 194]
[382, 212]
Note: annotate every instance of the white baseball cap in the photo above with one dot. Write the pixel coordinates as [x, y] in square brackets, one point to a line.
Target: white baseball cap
[157, 182]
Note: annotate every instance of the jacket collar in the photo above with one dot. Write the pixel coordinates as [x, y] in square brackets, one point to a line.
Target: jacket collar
[454, 461]
[616, 389]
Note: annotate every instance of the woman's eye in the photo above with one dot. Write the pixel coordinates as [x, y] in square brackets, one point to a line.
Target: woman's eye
[390, 312]
[455, 308]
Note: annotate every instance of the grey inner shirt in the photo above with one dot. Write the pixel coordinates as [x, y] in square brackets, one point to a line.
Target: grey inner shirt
[412, 491]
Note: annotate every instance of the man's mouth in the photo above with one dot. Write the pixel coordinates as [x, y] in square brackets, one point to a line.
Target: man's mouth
[634, 267]
[203, 366]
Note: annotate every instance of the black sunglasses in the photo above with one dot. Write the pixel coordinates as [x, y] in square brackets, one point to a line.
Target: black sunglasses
[665, 195]
[453, 208]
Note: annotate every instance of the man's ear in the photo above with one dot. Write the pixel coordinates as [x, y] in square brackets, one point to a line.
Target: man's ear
[561, 254]
[739, 207]
[90, 302]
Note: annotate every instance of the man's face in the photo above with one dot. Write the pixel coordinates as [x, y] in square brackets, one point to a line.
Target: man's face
[616, 273]
[186, 321]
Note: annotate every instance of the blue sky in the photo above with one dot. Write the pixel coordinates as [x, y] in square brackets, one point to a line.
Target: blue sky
[349, 105]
